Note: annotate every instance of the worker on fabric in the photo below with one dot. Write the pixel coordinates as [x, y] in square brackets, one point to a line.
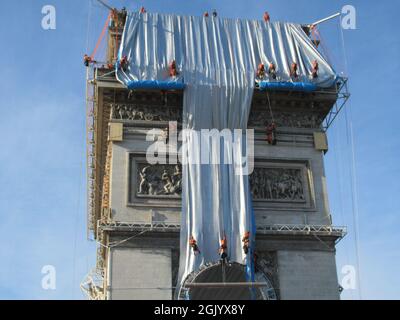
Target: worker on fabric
[266, 16]
[223, 250]
[315, 68]
[272, 70]
[271, 133]
[246, 242]
[214, 13]
[173, 72]
[124, 63]
[206, 14]
[142, 10]
[293, 70]
[261, 71]
[193, 245]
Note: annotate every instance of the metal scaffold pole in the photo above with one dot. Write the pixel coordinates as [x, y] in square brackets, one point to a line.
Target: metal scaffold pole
[325, 19]
[105, 4]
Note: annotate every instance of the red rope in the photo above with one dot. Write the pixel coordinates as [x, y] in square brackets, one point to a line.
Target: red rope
[327, 52]
[101, 36]
[314, 35]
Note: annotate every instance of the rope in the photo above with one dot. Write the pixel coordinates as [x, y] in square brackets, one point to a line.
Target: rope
[341, 185]
[324, 48]
[270, 108]
[120, 242]
[338, 160]
[101, 35]
[313, 34]
[88, 24]
[104, 4]
[353, 180]
[344, 48]
[354, 199]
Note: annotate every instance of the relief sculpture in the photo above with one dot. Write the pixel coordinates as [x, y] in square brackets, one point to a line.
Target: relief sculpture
[158, 180]
[143, 113]
[284, 119]
[277, 184]
[267, 184]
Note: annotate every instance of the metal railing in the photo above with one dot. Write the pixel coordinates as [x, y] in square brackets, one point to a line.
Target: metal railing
[158, 226]
[343, 95]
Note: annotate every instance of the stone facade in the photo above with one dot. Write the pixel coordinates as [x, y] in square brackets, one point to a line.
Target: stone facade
[288, 188]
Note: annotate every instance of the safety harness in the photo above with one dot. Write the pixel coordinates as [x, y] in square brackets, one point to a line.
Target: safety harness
[271, 133]
[193, 245]
[223, 248]
[266, 16]
[173, 72]
[246, 242]
[293, 70]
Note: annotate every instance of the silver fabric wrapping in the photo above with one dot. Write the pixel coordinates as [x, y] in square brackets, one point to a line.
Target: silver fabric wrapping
[152, 41]
[217, 59]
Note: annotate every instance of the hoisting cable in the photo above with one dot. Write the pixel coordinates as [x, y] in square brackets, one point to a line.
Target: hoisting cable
[101, 36]
[105, 4]
[112, 245]
[270, 108]
[327, 53]
[314, 36]
[88, 25]
[353, 180]
[271, 127]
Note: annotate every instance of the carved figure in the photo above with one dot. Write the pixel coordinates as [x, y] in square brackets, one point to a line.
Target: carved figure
[144, 182]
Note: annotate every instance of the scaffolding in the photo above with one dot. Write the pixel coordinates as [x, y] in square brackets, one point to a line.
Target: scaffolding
[287, 229]
[93, 285]
[342, 95]
[90, 148]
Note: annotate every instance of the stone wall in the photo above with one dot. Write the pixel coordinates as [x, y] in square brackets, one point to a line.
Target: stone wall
[139, 273]
[288, 187]
[307, 275]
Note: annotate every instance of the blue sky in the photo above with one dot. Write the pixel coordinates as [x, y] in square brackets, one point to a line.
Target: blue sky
[42, 154]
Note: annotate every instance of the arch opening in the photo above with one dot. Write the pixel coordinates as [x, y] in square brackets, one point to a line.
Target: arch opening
[217, 273]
